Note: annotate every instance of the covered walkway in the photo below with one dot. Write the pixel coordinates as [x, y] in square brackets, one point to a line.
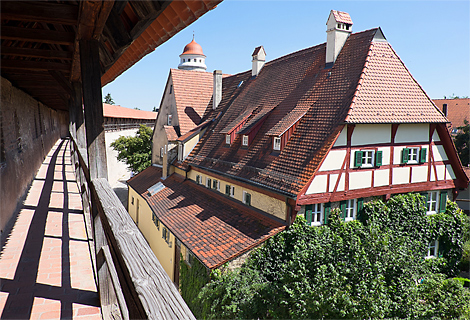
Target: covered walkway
[45, 263]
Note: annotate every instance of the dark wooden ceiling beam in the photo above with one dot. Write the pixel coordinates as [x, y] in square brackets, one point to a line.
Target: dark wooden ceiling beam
[152, 10]
[37, 35]
[62, 81]
[36, 53]
[40, 12]
[34, 65]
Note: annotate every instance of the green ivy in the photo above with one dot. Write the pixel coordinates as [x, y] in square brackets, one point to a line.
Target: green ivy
[192, 279]
[374, 269]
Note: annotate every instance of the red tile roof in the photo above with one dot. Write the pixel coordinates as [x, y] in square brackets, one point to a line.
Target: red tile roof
[215, 228]
[457, 110]
[145, 179]
[342, 16]
[171, 133]
[298, 86]
[115, 111]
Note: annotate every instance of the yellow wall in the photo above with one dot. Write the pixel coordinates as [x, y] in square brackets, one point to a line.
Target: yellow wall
[260, 201]
[164, 252]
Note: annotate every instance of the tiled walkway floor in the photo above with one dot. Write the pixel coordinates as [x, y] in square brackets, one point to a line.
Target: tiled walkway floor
[45, 264]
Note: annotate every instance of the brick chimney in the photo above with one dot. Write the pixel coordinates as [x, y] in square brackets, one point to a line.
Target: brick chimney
[339, 27]
[259, 58]
[217, 89]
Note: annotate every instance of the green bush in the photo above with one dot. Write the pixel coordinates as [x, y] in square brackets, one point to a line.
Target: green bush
[192, 279]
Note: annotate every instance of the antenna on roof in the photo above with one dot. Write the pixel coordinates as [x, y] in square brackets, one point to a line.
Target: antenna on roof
[193, 34]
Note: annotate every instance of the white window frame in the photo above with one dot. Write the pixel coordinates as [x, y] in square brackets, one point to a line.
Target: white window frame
[351, 207]
[245, 140]
[433, 249]
[169, 119]
[227, 139]
[433, 201]
[161, 152]
[368, 155]
[180, 152]
[277, 143]
[217, 184]
[232, 191]
[413, 155]
[208, 183]
[317, 212]
[244, 198]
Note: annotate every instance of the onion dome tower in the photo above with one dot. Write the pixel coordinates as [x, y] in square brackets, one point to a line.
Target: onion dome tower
[192, 57]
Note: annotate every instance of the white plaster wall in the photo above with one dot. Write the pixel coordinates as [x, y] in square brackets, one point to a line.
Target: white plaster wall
[439, 153]
[401, 175]
[371, 134]
[318, 185]
[450, 172]
[341, 183]
[385, 155]
[333, 160]
[381, 178]
[441, 171]
[360, 179]
[333, 179]
[412, 133]
[397, 155]
[419, 174]
[342, 139]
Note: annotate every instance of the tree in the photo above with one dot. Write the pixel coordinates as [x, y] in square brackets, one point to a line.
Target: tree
[136, 151]
[374, 269]
[108, 99]
[462, 141]
[154, 109]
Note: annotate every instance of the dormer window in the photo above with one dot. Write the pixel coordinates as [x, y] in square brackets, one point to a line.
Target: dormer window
[245, 140]
[169, 119]
[227, 139]
[339, 25]
[277, 143]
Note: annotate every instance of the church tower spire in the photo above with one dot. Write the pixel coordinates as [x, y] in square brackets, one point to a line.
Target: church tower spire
[192, 57]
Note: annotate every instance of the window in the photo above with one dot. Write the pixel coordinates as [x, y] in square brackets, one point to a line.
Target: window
[189, 257]
[132, 201]
[433, 248]
[414, 155]
[245, 141]
[171, 89]
[216, 185]
[180, 152]
[347, 26]
[314, 214]
[365, 158]
[169, 119]
[444, 109]
[350, 209]
[195, 60]
[247, 198]
[230, 190]
[183, 60]
[208, 183]
[339, 25]
[166, 235]
[277, 143]
[155, 220]
[198, 179]
[161, 152]
[227, 139]
[436, 202]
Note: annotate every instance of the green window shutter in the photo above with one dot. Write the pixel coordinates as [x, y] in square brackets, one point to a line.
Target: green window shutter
[248, 199]
[198, 179]
[443, 202]
[343, 209]
[426, 198]
[422, 155]
[327, 207]
[360, 209]
[209, 183]
[308, 214]
[378, 158]
[404, 155]
[227, 189]
[357, 158]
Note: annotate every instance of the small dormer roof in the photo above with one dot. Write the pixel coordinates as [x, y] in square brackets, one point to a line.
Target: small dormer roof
[258, 50]
[341, 16]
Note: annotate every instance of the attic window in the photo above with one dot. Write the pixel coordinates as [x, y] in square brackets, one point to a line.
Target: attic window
[155, 188]
[245, 141]
[227, 139]
[444, 109]
[240, 84]
[277, 143]
[171, 89]
[347, 26]
[339, 25]
[169, 119]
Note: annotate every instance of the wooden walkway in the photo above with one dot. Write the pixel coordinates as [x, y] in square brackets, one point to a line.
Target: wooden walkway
[45, 263]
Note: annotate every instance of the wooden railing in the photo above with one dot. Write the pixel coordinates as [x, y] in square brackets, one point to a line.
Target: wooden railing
[131, 281]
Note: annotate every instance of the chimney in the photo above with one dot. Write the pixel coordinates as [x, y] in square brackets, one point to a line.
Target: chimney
[339, 27]
[217, 89]
[259, 58]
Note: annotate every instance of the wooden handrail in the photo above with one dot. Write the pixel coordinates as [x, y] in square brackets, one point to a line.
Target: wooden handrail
[131, 280]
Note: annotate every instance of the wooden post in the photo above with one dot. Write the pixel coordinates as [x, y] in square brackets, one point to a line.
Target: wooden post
[78, 115]
[92, 98]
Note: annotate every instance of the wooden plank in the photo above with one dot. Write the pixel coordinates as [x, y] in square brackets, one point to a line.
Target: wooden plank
[36, 53]
[40, 12]
[37, 35]
[156, 292]
[93, 101]
[78, 110]
[62, 81]
[34, 65]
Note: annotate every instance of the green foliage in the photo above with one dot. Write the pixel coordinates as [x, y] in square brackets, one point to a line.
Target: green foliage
[349, 269]
[462, 141]
[136, 151]
[192, 279]
[108, 99]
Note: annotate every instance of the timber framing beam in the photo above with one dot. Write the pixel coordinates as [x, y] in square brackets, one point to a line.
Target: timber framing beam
[37, 35]
[36, 53]
[40, 12]
[34, 65]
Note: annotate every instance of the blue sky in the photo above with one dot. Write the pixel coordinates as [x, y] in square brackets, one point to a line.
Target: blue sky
[431, 37]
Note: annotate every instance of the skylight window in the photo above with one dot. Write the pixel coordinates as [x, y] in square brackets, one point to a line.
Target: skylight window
[156, 188]
[240, 84]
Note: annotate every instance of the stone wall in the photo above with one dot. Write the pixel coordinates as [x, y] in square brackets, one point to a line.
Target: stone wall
[28, 130]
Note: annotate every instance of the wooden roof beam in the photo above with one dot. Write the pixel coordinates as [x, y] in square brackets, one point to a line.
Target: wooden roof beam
[40, 12]
[36, 53]
[34, 65]
[37, 35]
